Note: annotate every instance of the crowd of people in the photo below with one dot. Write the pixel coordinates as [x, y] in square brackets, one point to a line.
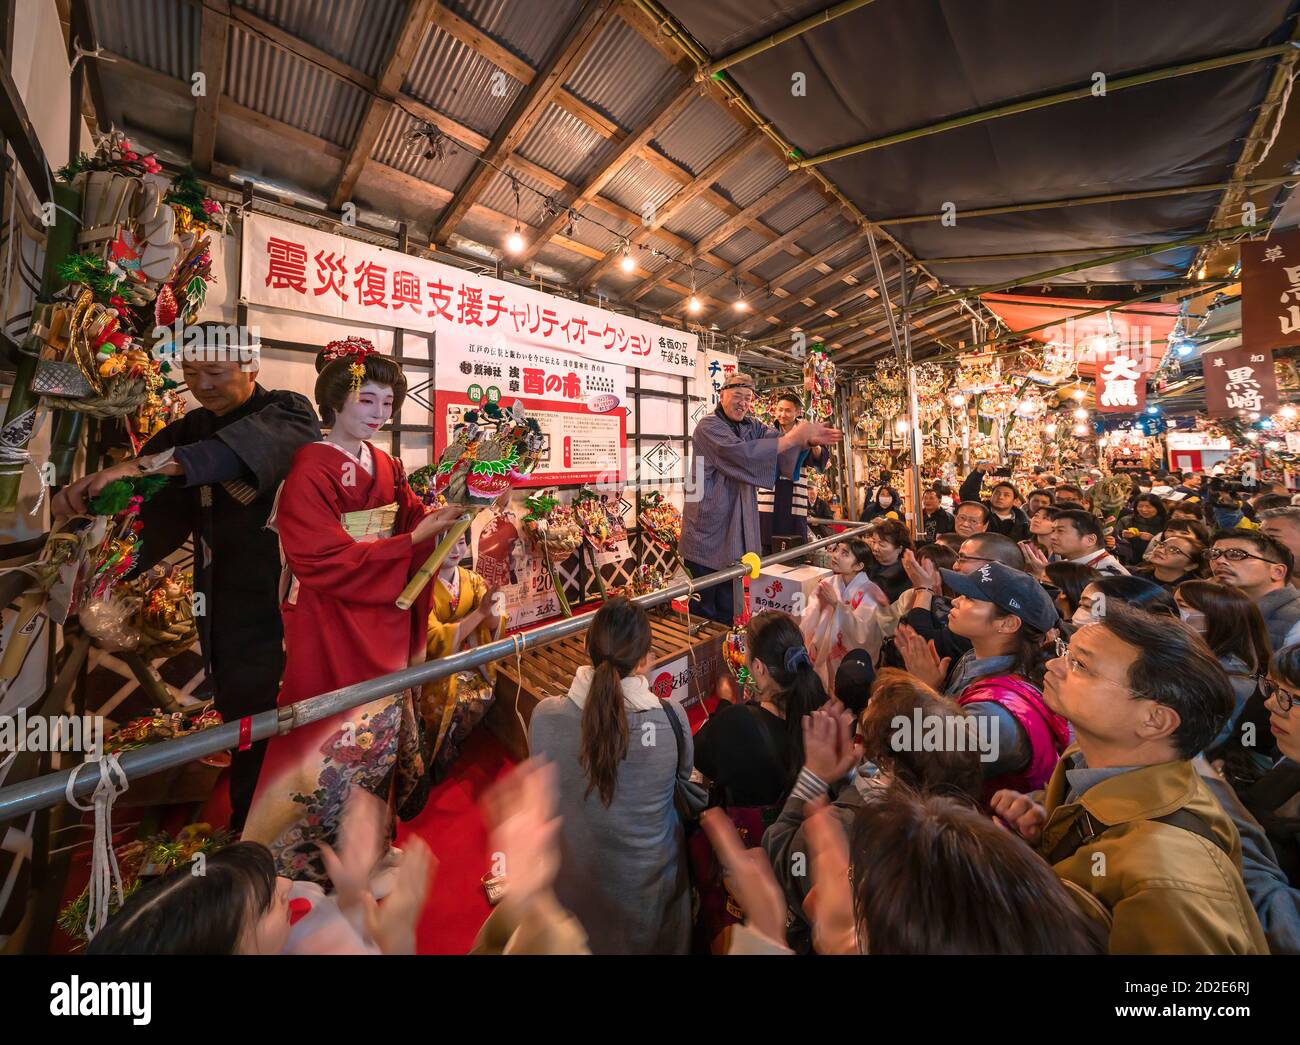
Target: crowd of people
[1013, 723]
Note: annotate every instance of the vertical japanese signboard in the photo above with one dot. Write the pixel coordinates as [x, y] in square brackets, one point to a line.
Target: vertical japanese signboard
[1240, 383]
[1121, 385]
[1270, 291]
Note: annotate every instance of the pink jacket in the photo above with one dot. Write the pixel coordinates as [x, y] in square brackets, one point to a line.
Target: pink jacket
[1048, 732]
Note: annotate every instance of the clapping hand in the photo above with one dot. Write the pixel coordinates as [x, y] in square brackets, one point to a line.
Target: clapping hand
[921, 657]
[829, 903]
[749, 877]
[391, 924]
[360, 842]
[1020, 813]
[1035, 559]
[523, 831]
[922, 573]
[829, 750]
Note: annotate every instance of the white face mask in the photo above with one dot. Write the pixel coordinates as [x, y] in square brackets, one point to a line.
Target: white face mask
[1194, 619]
[1082, 616]
[885, 502]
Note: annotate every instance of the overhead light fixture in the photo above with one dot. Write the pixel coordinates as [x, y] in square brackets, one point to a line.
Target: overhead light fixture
[740, 304]
[1080, 430]
[515, 242]
[625, 262]
[900, 426]
[1288, 411]
[1049, 429]
[693, 306]
[1078, 394]
[957, 400]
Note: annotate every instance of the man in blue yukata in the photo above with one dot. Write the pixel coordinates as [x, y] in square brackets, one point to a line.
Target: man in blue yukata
[732, 456]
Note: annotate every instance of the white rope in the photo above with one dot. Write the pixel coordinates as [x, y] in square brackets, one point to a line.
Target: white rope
[14, 454]
[517, 640]
[104, 872]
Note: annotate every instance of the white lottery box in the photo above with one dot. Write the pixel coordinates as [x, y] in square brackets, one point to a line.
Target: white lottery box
[787, 588]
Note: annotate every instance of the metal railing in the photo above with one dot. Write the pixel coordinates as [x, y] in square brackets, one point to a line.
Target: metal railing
[45, 791]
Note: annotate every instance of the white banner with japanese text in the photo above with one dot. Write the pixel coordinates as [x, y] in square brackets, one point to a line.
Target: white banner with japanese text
[579, 402]
[289, 266]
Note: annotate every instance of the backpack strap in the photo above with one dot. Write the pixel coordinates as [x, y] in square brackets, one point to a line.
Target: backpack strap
[671, 712]
[1086, 828]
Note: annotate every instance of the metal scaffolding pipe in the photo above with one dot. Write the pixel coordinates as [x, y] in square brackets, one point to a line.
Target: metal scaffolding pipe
[49, 790]
[1043, 102]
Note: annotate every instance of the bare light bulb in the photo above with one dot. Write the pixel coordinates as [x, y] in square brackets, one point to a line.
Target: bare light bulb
[1049, 430]
[742, 305]
[693, 306]
[1080, 430]
[957, 400]
[1081, 414]
[626, 263]
[515, 242]
[900, 426]
[1077, 395]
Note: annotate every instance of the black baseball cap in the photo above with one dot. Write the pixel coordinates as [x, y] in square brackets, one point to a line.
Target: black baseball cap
[1011, 591]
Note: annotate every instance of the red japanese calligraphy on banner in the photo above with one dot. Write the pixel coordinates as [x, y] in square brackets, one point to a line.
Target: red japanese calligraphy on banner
[302, 269]
[1240, 383]
[1270, 291]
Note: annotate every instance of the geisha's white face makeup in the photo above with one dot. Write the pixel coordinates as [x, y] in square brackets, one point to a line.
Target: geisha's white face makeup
[364, 413]
[458, 551]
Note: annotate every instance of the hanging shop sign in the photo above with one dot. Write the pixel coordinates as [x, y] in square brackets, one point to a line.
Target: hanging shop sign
[1240, 382]
[579, 402]
[1121, 385]
[1270, 291]
[301, 269]
[1197, 441]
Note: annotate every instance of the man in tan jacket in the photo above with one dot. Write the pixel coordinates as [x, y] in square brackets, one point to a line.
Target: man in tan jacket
[1126, 822]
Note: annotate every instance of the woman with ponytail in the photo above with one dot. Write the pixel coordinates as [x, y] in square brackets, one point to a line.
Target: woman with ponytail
[752, 752]
[618, 755]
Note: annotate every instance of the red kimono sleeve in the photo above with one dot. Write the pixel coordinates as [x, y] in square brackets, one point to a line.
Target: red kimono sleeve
[324, 557]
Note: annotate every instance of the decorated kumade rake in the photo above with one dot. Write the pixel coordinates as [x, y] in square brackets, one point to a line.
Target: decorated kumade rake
[662, 522]
[734, 652]
[819, 383]
[490, 452]
[594, 522]
[551, 527]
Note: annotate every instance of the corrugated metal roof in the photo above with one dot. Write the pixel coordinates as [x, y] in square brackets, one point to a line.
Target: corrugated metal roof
[794, 209]
[696, 220]
[638, 184]
[565, 145]
[822, 237]
[358, 32]
[461, 83]
[594, 235]
[530, 30]
[740, 246]
[161, 34]
[499, 195]
[748, 180]
[622, 76]
[408, 157]
[701, 134]
[272, 81]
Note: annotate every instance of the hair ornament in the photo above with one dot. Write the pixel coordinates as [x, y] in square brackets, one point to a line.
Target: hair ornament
[356, 349]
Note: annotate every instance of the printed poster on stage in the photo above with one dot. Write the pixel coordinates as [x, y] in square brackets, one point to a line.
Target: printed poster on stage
[288, 266]
[578, 402]
[503, 558]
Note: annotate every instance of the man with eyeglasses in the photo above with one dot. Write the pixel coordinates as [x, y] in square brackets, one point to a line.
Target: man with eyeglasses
[970, 518]
[1260, 568]
[732, 455]
[1126, 817]
[1283, 525]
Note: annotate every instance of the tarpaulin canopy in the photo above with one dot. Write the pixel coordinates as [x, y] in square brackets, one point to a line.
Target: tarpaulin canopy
[1146, 326]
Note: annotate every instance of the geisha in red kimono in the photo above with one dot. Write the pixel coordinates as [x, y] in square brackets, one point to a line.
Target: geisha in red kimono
[842, 614]
[352, 534]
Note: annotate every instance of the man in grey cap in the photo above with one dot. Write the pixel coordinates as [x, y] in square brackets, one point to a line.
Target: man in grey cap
[732, 454]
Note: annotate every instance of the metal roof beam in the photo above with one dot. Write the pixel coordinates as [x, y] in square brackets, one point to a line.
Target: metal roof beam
[798, 28]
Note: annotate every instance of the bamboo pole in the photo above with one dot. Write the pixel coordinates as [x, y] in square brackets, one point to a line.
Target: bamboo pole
[1088, 201]
[1045, 101]
[800, 27]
